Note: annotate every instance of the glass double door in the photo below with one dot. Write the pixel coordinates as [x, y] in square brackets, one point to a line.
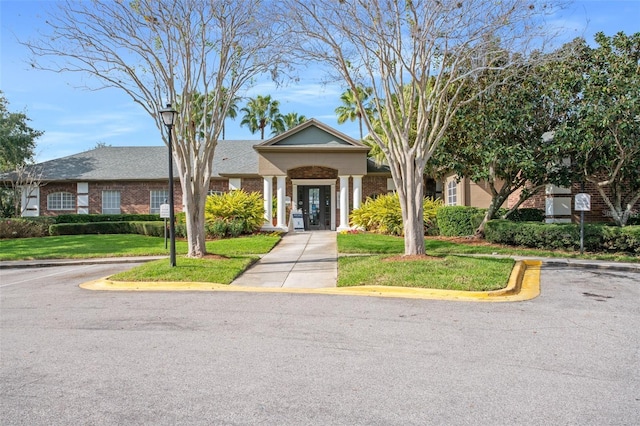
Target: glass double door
[315, 203]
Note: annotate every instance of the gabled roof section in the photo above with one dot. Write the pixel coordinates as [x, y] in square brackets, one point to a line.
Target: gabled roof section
[312, 135]
[139, 163]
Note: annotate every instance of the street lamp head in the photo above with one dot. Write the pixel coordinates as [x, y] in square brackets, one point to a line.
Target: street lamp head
[168, 115]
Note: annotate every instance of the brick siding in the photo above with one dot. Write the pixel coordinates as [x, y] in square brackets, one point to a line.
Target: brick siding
[372, 186]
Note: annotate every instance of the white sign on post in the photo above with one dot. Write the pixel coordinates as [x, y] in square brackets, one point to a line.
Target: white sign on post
[582, 202]
[164, 211]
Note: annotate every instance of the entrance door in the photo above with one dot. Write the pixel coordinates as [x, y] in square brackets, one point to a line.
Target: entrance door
[316, 206]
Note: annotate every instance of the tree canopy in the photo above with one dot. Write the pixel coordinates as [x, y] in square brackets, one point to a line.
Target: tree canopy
[427, 53]
[260, 112]
[602, 86]
[503, 138]
[195, 54]
[17, 138]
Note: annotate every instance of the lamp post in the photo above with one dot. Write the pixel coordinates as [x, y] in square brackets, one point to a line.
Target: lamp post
[168, 115]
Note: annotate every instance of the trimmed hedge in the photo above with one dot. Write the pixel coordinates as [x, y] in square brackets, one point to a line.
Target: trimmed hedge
[458, 221]
[88, 218]
[71, 224]
[25, 227]
[597, 237]
[155, 229]
[525, 215]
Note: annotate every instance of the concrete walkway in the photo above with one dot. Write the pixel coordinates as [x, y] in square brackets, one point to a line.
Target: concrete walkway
[300, 260]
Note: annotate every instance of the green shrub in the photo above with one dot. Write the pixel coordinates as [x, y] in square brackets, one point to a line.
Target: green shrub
[458, 221]
[625, 239]
[218, 228]
[430, 207]
[150, 229]
[90, 228]
[88, 218]
[383, 215]
[242, 209]
[597, 237]
[25, 227]
[527, 215]
[236, 228]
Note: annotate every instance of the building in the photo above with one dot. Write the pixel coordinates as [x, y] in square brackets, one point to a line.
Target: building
[313, 168]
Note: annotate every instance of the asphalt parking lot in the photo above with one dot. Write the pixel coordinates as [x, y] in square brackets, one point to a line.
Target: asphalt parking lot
[73, 356]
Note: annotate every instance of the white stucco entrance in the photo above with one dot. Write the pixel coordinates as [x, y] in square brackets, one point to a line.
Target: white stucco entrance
[294, 157]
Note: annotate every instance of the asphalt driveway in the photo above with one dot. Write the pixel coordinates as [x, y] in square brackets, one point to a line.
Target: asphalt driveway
[72, 356]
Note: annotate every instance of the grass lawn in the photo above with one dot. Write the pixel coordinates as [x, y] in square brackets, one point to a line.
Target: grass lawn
[88, 246]
[384, 244]
[233, 255]
[450, 272]
[220, 271]
[443, 270]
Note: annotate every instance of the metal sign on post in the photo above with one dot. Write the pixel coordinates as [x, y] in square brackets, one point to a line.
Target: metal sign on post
[582, 203]
[165, 214]
[164, 211]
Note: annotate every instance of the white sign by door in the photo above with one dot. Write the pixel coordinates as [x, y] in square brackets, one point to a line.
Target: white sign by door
[298, 220]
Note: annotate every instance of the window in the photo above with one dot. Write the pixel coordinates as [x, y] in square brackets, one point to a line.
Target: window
[452, 193]
[157, 198]
[61, 201]
[110, 202]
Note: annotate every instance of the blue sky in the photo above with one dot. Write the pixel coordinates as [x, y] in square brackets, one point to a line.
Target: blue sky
[75, 120]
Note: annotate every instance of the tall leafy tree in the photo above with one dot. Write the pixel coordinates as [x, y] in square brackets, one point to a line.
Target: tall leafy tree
[604, 129]
[427, 53]
[17, 138]
[260, 112]
[353, 109]
[17, 145]
[232, 111]
[502, 139]
[169, 50]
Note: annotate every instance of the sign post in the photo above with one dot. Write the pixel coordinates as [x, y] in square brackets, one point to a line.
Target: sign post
[164, 214]
[582, 203]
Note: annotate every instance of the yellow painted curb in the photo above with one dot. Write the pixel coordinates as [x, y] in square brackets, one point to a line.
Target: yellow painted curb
[524, 284]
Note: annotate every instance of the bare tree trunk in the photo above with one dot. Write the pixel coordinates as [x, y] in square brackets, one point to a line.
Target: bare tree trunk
[410, 186]
[494, 206]
[620, 216]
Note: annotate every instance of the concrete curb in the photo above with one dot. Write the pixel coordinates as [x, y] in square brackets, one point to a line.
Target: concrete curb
[524, 284]
[46, 263]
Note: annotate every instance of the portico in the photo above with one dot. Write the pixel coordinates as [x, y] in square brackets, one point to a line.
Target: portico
[317, 171]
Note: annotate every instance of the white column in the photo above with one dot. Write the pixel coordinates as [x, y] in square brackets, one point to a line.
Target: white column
[333, 207]
[344, 203]
[268, 201]
[357, 191]
[281, 211]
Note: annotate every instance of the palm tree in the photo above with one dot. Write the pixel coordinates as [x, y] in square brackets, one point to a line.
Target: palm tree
[260, 112]
[232, 112]
[349, 110]
[286, 122]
